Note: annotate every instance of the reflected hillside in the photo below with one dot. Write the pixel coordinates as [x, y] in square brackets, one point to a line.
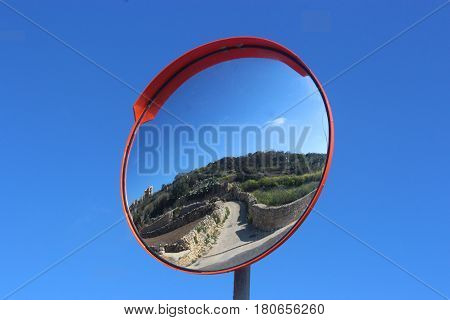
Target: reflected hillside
[253, 196]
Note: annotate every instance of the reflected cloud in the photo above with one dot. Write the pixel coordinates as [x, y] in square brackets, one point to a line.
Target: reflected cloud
[277, 122]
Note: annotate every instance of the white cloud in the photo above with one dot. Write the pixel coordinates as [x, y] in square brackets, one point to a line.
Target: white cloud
[276, 122]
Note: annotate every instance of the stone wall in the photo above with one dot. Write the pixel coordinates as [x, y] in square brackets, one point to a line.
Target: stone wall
[272, 218]
[264, 217]
[158, 222]
[177, 218]
[167, 217]
[233, 193]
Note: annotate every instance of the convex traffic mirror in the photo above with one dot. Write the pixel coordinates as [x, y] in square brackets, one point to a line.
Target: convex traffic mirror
[229, 151]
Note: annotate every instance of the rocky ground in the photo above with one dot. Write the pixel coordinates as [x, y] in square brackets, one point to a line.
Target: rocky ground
[218, 241]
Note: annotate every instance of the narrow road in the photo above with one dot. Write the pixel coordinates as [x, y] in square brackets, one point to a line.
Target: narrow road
[238, 241]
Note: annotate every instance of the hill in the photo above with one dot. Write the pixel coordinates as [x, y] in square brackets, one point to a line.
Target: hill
[273, 177]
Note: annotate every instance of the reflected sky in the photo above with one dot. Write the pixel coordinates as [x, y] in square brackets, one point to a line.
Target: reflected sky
[230, 96]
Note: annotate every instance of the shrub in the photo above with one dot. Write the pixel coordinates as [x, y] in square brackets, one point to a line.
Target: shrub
[280, 181]
[268, 182]
[250, 185]
[176, 212]
[280, 196]
[227, 214]
[200, 228]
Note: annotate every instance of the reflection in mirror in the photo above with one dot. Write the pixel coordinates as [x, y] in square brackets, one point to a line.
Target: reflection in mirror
[229, 164]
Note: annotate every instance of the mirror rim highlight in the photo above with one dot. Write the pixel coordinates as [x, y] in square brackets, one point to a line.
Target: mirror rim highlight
[179, 71]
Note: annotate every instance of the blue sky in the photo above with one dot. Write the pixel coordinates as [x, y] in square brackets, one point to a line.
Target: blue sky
[242, 105]
[65, 122]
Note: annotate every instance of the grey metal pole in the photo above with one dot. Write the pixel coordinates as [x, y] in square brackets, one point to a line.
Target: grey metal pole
[242, 284]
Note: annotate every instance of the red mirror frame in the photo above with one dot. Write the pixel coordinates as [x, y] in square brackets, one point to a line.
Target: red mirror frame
[172, 76]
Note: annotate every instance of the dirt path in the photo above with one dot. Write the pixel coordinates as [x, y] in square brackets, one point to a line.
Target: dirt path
[238, 241]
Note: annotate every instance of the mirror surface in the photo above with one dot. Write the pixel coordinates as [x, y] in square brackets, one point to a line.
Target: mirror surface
[229, 164]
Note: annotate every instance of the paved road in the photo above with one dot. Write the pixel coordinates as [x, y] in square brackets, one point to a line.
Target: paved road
[238, 241]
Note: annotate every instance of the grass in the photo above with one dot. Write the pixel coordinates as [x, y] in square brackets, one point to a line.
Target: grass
[282, 195]
[280, 181]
